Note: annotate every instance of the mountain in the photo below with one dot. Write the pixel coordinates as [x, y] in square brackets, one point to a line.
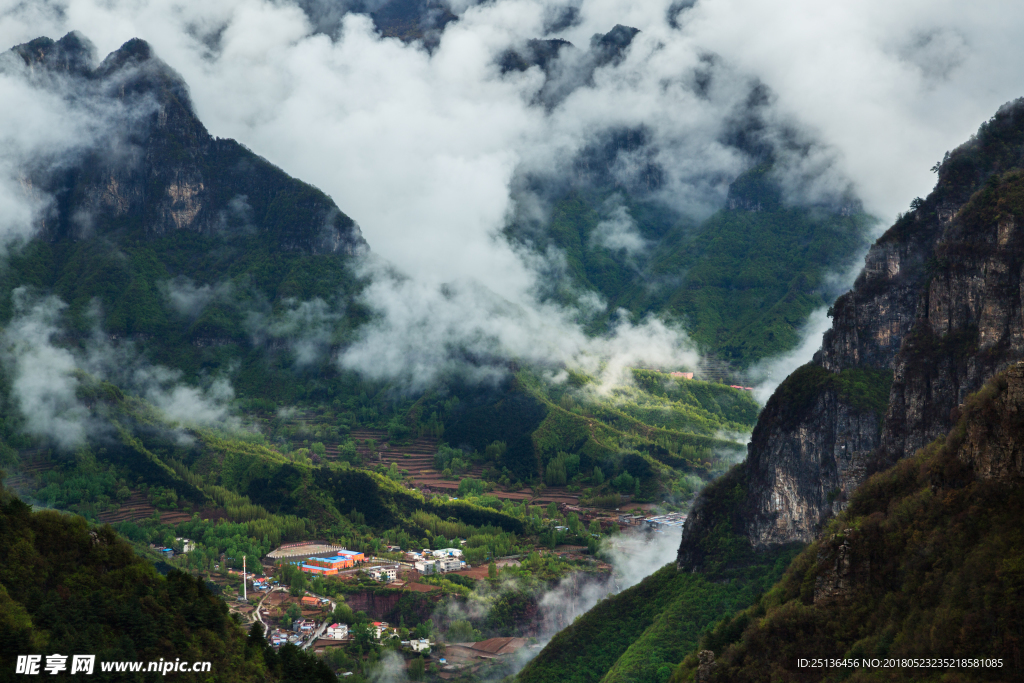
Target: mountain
[179, 287]
[934, 313]
[888, 454]
[168, 173]
[205, 255]
[925, 562]
[163, 246]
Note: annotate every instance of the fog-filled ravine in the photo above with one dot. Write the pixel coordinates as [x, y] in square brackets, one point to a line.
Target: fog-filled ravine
[446, 314]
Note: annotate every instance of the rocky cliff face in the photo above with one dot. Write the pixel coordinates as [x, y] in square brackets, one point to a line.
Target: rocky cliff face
[926, 558]
[806, 465]
[969, 317]
[938, 309]
[153, 168]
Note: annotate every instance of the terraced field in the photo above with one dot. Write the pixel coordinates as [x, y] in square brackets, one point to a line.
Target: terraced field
[137, 507]
[416, 459]
[31, 463]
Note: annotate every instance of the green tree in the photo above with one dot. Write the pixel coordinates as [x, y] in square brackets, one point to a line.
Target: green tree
[554, 474]
[492, 570]
[470, 486]
[362, 633]
[293, 612]
[417, 669]
[495, 451]
[461, 631]
[425, 628]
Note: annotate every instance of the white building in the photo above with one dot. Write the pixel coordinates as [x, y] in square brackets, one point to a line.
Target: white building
[426, 567]
[336, 632]
[385, 574]
[381, 629]
[450, 564]
[420, 645]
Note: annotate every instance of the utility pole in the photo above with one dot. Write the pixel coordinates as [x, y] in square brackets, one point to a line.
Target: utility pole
[245, 593]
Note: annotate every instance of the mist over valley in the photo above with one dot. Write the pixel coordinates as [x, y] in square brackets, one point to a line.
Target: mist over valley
[602, 333]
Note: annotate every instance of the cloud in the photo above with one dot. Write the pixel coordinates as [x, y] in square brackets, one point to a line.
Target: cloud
[424, 148]
[189, 300]
[44, 381]
[633, 556]
[619, 231]
[460, 327]
[48, 372]
[769, 374]
[389, 669]
[306, 328]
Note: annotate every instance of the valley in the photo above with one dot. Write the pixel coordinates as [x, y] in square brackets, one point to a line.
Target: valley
[486, 408]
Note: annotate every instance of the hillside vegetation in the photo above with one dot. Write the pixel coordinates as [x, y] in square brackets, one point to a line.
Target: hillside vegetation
[924, 563]
[67, 589]
[743, 282]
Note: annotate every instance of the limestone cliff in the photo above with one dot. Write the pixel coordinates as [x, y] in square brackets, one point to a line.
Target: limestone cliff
[937, 309]
[151, 166]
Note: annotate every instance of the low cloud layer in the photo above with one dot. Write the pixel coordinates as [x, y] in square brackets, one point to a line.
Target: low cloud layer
[48, 372]
[633, 557]
[424, 333]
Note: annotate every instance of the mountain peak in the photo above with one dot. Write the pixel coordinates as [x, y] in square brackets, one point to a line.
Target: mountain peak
[157, 169]
[73, 54]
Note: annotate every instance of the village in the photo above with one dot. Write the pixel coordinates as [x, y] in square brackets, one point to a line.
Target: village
[266, 593]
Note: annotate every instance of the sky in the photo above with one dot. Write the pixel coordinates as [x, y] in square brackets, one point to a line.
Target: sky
[424, 148]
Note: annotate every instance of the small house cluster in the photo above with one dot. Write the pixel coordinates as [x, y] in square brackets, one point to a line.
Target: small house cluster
[672, 519]
[303, 626]
[310, 602]
[421, 645]
[382, 629]
[437, 561]
[278, 638]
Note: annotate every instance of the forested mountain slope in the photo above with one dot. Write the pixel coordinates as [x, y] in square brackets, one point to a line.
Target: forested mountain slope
[66, 589]
[744, 280]
[193, 247]
[925, 562]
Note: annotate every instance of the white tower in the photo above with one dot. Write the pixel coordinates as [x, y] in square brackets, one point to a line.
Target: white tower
[245, 593]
